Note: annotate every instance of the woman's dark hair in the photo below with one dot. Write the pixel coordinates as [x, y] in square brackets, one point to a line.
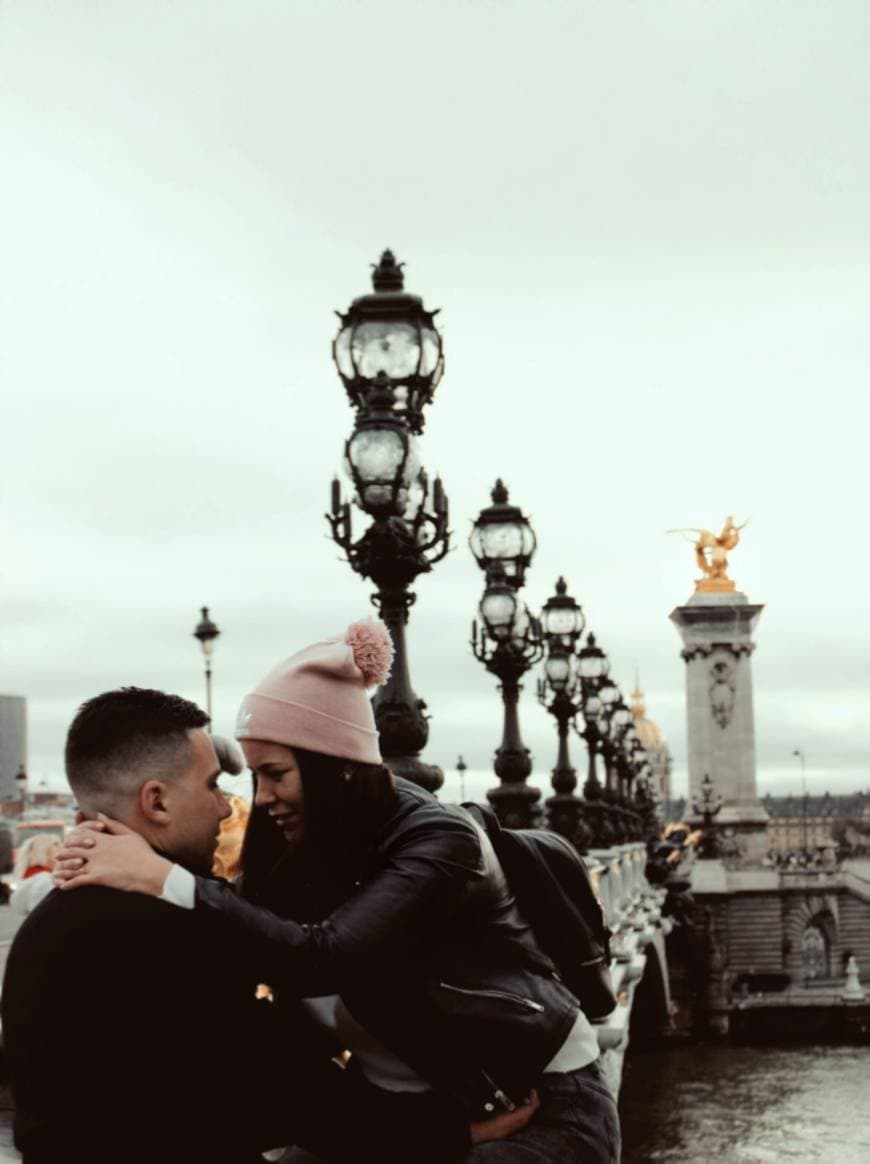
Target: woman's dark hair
[345, 803]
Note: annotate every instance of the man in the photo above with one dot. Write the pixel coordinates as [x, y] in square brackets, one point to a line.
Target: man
[131, 1028]
[130, 1032]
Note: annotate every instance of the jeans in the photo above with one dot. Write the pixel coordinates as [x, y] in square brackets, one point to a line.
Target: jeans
[576, 1123]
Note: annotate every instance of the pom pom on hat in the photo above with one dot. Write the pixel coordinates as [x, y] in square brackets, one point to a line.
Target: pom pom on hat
[372, 649]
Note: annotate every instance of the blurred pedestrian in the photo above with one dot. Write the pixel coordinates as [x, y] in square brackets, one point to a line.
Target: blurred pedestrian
[32, 872]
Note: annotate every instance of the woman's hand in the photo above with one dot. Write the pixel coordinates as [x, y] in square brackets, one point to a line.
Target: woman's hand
[505, 1124]
[104, 852]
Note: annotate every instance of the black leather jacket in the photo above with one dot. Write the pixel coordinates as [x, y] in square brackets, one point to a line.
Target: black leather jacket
[429, 953]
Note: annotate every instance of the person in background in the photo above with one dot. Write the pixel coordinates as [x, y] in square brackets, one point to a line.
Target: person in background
[32, 873]
[227, 858]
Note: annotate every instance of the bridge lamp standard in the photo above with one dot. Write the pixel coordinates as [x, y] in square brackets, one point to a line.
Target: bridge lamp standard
[562, 624]
[508, 641]
[207, 633]
[388, 354]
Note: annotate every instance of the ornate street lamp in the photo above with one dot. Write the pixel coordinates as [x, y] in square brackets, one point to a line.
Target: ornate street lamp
[206, 631]
[708, 806]
[594, 668]
[609, 730]
[621, 723]
[502, 536]
[562, 623]
[594, 664]
[389, 332]
[389, 357]
[509, 642]
[461, 768]
[609, 694]
[621, 737]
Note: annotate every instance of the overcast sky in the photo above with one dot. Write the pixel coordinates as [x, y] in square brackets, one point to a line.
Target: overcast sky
[647, 227]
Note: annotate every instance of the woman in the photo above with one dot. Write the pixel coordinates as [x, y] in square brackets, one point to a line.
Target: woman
[390, 913]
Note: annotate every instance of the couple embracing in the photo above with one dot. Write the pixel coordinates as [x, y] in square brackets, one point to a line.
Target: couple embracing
[409, 1016]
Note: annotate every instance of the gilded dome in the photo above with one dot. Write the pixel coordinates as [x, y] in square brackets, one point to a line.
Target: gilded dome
[649, 733]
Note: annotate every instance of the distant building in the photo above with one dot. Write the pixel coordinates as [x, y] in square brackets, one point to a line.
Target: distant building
[798, 822]
[13, 743]
[653, 739]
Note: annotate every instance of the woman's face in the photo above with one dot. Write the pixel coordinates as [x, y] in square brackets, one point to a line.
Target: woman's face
[279, 786]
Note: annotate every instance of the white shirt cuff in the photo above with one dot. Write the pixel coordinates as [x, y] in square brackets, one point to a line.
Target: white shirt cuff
[179, 888]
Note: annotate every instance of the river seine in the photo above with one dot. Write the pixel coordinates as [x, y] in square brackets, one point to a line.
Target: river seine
[747, 1105]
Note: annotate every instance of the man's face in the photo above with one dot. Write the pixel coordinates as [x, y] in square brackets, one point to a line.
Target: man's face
[196, 807]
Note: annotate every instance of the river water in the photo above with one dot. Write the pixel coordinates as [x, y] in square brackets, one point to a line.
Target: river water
[747, 1105]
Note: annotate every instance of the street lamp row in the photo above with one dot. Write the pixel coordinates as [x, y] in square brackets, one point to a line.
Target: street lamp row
[509, 639]
[389, 356]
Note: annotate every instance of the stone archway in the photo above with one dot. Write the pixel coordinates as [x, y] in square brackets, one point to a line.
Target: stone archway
[819, 911]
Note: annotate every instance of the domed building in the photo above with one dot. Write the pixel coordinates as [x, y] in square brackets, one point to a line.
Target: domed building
[653, 739]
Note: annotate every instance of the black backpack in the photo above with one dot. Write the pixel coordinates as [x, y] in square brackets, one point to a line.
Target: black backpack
[554, 893]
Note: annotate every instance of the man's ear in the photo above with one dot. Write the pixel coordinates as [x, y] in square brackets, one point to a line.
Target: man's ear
[153, 802]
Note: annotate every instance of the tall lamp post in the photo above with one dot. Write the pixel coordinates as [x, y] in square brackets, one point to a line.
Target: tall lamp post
[388, 353]
[562, 623]
[206, 631]
[621, 723]
[594, 667]
[508, 642]
[461, 768]
[609, 746]
[800, 755]
[708, 806]
[21, 783]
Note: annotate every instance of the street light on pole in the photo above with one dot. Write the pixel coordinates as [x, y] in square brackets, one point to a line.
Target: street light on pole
[388, 354]
[508, 641]
[562, 623]
[461, 768]
[21, 782]
[797, 752]
[206, 631]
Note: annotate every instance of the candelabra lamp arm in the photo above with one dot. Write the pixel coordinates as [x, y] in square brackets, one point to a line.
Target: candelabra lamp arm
[339, 518]
[435, 545]
[431, 529]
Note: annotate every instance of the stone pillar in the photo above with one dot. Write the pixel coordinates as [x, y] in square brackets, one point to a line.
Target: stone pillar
[716, 630]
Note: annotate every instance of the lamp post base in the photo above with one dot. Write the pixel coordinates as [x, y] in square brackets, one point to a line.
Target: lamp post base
[565, 817]
[428, 776]
[515, 804]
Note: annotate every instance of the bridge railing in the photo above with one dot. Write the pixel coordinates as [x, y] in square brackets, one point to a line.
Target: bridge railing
[632, 909]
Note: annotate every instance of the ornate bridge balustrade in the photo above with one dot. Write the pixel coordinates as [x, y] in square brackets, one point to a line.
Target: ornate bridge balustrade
[632, 909]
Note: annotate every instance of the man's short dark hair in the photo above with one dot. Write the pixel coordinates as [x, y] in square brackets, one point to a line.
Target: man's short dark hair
[122, 738]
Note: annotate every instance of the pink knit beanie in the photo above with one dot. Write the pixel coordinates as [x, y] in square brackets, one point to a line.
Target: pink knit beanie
[317, 698]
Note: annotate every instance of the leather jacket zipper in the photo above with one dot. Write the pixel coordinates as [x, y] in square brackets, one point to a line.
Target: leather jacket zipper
[525, 1003]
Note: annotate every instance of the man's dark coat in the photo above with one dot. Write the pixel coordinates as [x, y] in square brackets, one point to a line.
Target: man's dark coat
[131, 1033]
